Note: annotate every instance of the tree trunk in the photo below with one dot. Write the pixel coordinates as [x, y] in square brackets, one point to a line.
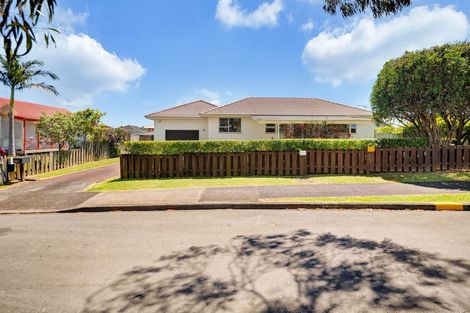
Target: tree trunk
[11, 124]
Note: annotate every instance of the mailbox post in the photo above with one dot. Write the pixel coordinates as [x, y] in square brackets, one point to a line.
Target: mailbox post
[20, 161]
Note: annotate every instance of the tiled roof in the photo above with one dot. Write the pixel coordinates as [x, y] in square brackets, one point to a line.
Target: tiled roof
[28, 110]
[132, 128]
[287, 106]
[191, 109]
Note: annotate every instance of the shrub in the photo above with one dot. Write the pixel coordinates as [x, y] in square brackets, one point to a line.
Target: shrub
[231, 146]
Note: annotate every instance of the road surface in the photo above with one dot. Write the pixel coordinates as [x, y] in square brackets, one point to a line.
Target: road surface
[236, 261]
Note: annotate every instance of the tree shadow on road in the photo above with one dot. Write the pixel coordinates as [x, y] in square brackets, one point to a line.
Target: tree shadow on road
[291, 272]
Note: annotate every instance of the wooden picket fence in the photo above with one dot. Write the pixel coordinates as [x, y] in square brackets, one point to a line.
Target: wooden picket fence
[43, 162]
[3, 170]
[382, 160]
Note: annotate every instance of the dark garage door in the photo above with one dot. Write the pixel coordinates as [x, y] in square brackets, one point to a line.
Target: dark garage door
[182, 135]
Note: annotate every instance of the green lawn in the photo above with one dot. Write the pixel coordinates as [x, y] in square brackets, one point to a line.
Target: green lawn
[134, 184]
[457, 198]
[78, 168]
[390, 177]
[426, 177]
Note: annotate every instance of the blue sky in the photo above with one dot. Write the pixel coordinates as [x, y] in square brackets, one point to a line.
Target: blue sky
[131, 58]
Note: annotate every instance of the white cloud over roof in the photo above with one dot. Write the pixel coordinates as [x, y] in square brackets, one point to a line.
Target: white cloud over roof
[358, 52]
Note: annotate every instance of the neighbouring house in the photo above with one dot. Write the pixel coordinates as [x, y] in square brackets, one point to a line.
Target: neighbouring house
[26, 114]
[263, 118]
[136, 133]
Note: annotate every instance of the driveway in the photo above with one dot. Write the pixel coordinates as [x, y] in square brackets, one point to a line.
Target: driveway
[236, 261]
[61, 192]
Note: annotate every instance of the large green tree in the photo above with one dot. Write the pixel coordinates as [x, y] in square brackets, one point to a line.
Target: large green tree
[58, 128]
[88, 124]
[72, 129]
[17, 76]
[428, 89]
[377, 7]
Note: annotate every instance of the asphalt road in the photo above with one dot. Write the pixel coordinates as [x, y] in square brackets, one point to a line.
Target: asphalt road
[236, 261]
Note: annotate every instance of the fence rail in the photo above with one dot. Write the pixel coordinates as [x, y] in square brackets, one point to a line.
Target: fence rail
[383, 160]
[54, 160]
[44, 162]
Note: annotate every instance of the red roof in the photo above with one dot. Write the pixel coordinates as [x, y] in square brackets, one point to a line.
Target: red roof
[29, 111]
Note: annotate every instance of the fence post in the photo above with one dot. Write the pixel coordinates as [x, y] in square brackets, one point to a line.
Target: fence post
[435, 159]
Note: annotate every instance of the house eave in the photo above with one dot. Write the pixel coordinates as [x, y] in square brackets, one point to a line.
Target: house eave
[153, 118]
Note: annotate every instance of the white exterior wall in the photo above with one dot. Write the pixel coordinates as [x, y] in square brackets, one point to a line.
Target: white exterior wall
[31, 135]
[4, 131]
[364, 131]
[180, 124]
[250, 129]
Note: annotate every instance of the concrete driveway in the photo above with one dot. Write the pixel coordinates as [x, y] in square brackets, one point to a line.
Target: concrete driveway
[56, 193]
[236, 261]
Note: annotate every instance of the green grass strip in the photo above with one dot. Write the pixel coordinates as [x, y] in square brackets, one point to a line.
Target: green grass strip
[117, 184]
[454, 198]
[167, 183]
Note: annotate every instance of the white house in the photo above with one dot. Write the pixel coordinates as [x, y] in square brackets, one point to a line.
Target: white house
[263, 118]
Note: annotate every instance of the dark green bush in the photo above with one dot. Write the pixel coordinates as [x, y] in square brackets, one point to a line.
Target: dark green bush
[402, 142]
[219, 146]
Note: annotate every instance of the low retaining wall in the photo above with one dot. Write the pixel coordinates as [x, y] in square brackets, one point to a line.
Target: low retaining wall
[380, 160]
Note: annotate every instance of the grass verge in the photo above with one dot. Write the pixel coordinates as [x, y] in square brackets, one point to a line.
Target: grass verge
[77, 168]
[457, 198]
[166, 183]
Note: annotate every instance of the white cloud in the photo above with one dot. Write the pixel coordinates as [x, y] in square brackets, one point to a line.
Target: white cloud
[67, 21]
[210, 96]
[290, 18]
[307, 27]
[358, 53]
[266, 14]
[85, 68]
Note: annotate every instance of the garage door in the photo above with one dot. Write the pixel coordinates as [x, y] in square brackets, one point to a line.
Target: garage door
[182, 135]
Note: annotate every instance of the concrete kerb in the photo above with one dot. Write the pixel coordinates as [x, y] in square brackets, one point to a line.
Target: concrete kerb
[258, 206]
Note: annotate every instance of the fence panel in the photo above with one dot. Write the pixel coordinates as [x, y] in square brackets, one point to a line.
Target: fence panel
[273, 163]
[43, 162]
[3, 170]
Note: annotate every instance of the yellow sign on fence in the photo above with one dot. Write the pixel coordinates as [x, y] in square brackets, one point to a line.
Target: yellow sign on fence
[371, 149]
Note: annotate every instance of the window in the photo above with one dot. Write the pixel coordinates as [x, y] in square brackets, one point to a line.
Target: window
[230, 125]
[353, 128]
[270, 128]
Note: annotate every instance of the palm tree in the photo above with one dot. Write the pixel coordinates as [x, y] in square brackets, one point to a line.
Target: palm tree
[17, 75]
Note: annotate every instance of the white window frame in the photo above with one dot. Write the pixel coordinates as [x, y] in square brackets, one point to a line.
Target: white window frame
[272, 127]
[229, 125]
[353, 127]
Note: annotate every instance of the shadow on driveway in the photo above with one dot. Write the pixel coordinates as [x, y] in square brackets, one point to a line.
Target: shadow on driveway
[291, 272]
[451, 185]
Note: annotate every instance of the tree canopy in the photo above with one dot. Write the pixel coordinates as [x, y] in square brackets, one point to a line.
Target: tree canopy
[377, 7]
[428, 90]
[72, 129]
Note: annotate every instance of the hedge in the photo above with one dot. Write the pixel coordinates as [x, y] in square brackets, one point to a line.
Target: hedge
[231, 146]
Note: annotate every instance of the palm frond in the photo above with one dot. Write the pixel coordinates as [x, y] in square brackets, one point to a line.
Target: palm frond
[41, 86]
[22, 75]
